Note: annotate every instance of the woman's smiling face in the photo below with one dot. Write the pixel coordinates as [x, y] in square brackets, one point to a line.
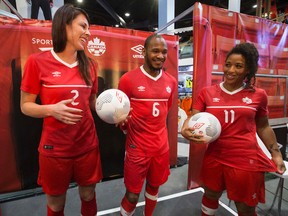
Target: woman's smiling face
[78, 32]
[235, 71]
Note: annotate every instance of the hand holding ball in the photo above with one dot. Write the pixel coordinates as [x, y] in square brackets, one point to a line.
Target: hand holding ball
[206, 124]
[112, 106]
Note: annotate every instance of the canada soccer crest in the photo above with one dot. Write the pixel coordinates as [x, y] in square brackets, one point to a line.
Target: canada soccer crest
[96, 47]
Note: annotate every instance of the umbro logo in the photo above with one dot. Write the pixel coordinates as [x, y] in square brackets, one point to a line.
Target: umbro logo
[138, 49]
[141, 88]
[216, 100]
[56, 74]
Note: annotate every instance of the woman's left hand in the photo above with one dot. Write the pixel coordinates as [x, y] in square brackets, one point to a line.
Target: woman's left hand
[281, 168]
[189, 133]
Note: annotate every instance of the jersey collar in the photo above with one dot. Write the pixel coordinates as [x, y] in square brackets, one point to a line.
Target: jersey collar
[148, 75]
[233, 92]
[63, 62]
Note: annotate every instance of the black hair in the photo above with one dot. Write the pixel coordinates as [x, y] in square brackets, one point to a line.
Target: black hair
[63, 17]
[148, 39]
[251, 56]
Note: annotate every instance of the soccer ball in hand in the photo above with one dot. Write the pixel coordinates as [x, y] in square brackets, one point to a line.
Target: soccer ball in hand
[112, 106]
[206, 124]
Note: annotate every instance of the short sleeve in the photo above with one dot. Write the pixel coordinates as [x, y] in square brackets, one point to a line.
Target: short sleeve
[263, 105]
[200, 101]
[124, 85]
[31, 77]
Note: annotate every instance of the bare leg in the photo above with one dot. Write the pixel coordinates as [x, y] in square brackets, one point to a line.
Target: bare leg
[56, 203]
[245, 210]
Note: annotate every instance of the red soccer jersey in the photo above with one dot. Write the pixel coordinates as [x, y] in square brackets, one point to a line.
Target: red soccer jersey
[54, 80]
[150, 98]
[237, 145]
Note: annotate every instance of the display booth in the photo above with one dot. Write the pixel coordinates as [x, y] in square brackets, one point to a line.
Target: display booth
[215, 32]
[116, 52]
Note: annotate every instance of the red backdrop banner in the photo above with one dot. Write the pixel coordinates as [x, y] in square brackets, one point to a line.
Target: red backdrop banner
[116, 51]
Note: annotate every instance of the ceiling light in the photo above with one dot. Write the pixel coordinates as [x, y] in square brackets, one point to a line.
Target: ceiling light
[79, 1]
[255, 6]
[127, 14]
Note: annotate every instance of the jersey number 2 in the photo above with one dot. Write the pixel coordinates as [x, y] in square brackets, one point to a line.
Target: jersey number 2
[76, 95]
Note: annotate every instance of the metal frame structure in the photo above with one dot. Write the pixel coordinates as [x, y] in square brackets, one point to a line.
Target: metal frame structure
[16, 15]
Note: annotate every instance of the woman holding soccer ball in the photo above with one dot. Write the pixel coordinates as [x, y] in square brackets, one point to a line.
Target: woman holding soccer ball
[235, 162]
[66, 81]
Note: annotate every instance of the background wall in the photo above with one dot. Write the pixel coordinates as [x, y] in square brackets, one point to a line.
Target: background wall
[24, 8]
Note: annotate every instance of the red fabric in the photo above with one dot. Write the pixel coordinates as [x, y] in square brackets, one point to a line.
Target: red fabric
[249, 29]
[52, 213]
[202, 34]
[212, 204]
[85, 170]
[150, 100]
[202, 54]
[150, 204]
[224, 24]
[241, 186]
[154, 169]
[10, 49]
[55, 80]
[232, 110]
[126, 206]
[89, 208]
[19, 40]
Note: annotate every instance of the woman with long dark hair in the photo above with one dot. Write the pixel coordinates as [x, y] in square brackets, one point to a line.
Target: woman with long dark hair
[66, 81]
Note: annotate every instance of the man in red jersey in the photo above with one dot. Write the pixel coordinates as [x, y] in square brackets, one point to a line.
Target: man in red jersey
[151, 91]
[66, 81]
[235, 162]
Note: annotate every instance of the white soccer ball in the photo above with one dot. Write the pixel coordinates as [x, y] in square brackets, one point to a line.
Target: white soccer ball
[206, 124]
[112, 106]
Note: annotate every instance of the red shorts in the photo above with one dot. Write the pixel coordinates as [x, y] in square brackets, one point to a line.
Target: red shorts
[154, 169]
[241, 185]
[55, 174]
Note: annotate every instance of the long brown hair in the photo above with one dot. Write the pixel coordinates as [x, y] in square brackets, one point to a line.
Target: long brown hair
[64, 16]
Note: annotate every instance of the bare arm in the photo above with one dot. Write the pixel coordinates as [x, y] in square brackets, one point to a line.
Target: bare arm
[267, 135]
[60, 110]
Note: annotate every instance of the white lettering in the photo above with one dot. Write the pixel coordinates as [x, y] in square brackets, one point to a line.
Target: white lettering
[41, 41]
[138, 56]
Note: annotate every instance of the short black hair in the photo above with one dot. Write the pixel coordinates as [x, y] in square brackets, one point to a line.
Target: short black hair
[148, 39]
